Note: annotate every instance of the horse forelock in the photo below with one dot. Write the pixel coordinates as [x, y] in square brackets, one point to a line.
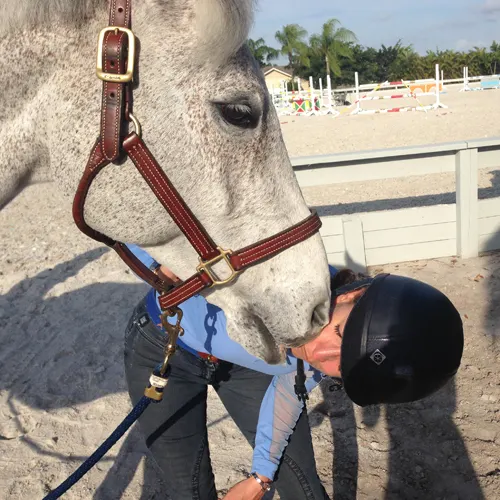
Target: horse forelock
[21, 14]
[222, 27]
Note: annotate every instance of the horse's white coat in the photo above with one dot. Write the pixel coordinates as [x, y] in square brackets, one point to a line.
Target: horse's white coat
[238, 182]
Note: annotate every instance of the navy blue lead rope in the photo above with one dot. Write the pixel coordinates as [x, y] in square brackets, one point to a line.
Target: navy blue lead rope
[102, 450]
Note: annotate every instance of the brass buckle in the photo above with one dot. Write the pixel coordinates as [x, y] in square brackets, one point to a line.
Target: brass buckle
[113, 77]
[207, 267]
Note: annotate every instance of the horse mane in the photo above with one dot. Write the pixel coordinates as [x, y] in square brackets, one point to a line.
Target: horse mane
[222, 25]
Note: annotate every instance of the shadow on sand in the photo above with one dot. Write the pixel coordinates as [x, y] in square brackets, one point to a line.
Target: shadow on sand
[64, 350]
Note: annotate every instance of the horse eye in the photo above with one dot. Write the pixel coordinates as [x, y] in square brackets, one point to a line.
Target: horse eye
[239, 115]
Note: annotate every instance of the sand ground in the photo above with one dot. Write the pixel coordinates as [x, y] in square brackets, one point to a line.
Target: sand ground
[65, 302]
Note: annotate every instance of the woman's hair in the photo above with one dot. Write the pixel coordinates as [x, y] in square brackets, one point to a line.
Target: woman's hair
[345, 277]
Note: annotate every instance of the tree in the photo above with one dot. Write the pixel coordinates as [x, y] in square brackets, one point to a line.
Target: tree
[262, 53]
[408, 65]
[386, 57]
[293, 46]
[333, 43]
[495, 58]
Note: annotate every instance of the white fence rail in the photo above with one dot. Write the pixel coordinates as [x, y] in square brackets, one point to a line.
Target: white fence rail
[464, 228]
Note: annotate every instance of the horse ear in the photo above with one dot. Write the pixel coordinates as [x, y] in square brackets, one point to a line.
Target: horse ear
[222, 27]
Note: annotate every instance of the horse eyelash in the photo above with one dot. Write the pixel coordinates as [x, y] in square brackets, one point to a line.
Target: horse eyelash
[337, 329]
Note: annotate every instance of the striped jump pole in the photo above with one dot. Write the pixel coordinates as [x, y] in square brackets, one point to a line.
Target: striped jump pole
[365, 97]
[404, 109]
[382, 97]
[428, 84]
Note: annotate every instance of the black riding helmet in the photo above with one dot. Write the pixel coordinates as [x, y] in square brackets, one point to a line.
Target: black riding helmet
[403, 341]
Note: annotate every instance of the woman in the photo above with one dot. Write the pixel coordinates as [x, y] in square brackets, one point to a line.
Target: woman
[390, 339]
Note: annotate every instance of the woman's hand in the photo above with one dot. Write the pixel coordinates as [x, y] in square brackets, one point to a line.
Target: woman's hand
[167, 275]
[249, 489]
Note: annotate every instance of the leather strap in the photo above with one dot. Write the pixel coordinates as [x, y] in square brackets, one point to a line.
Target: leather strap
[245, 258]
[116, 107]
[169, 197]
[95, 164]
[114, 94]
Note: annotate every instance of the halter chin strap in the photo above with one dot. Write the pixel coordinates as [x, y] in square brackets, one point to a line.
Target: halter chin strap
[115, 67]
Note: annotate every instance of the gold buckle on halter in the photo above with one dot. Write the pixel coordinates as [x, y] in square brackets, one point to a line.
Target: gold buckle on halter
[207, 267]
[114, 77]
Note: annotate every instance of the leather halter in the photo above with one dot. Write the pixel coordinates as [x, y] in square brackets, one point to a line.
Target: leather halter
[115, 67]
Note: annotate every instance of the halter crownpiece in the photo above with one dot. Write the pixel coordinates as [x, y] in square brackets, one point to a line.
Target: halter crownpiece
[115, 67]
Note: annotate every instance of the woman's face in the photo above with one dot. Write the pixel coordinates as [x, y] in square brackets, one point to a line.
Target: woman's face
[323, 352]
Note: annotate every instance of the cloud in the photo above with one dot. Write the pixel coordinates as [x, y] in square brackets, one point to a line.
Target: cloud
[464, 44]
[491, 7]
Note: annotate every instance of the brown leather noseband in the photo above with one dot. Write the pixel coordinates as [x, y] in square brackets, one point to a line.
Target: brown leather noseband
[115, 67]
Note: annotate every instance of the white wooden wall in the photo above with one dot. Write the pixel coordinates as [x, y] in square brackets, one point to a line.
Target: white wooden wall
[489, 224]
[368, 239]
[392, 236]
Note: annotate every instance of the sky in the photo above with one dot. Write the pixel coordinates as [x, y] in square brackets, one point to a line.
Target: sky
[425, 24]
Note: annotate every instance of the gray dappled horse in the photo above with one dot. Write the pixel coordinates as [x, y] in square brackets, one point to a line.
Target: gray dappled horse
[228, 162]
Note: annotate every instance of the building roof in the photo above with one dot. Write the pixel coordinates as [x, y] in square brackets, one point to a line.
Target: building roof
[279, 69]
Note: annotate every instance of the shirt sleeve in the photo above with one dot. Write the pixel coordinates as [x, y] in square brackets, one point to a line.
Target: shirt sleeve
[143, 256]
[279, 413]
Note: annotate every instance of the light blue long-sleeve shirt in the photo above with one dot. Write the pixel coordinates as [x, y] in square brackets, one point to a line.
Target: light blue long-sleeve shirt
[205, 331]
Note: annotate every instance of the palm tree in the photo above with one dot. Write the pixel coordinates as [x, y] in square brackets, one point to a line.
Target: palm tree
[293, 46]
[333, 42]
[262, 53]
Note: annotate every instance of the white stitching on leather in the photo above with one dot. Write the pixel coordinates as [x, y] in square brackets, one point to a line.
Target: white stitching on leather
[184, 219]
[113, 10]
[104, 97]
[185, 293]
[311, 222]
[127, 12]
[92, 158]
[260, 254]
[176, 217]
[118, 100]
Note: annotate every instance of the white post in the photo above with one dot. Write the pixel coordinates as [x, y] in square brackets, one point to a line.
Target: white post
[298, 86]
[356, 80]
[329, 88]
[467, 203]
[438, 96]
[320, 92]
[438, 104]
[354, 243]
[311, 93]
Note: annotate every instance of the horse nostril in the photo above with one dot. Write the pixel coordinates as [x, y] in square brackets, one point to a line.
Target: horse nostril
[319, 318]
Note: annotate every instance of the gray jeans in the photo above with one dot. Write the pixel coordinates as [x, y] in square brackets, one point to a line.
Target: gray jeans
[176, 429]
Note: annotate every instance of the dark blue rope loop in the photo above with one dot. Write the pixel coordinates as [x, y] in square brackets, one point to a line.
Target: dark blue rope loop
[102, 450]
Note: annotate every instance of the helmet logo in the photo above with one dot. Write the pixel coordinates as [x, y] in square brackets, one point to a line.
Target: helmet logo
[377, 357]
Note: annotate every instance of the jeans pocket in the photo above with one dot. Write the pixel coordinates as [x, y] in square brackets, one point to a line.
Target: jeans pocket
[151, 333]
